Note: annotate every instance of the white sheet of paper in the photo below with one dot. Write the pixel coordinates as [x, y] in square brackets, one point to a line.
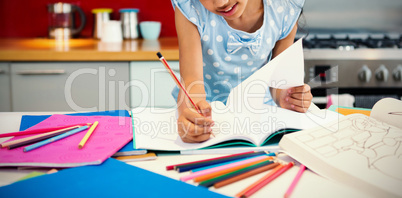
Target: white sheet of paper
[284, 71]
[362, 152]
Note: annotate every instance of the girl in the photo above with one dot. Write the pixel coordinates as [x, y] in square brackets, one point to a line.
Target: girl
[221, 43]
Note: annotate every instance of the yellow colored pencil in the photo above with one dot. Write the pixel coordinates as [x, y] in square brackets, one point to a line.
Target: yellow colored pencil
[86, 137]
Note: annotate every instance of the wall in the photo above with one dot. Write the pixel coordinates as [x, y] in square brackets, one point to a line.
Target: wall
[370, 15]
[29, 18]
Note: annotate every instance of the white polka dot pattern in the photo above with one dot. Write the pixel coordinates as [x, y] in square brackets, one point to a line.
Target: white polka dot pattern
[279, 9]
[272, 23]
[231, 55]
[219, 38]
[236, 70]
[213, 23]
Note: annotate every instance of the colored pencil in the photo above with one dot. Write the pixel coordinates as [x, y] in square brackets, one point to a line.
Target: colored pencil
[280, 166]
[34, 137]
[38, 138]
[178, 83]
[245, 175]
[260, 185]
[53, 139]
[211, 182]
[228, 170]
[87, 135]
[172, 167]
[35, 131]
[295, 180]
[223, 167]
[176, 80]
[216, 165]
[184, 168]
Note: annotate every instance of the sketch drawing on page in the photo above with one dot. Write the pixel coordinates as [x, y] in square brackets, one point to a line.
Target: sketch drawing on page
[369, 138]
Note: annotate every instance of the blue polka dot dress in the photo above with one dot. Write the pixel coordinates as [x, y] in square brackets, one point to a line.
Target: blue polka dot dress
[231, 55]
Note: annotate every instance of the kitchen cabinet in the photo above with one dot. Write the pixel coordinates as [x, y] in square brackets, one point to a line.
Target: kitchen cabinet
[151, 84]
[69, 86]
[5, 92]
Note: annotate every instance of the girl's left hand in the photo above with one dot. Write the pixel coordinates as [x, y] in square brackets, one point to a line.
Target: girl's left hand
[296, 98]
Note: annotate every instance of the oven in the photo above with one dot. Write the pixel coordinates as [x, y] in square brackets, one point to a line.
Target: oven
[353, 49]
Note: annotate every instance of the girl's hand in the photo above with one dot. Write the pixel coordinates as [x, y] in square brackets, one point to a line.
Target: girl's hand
[296, 98]
[194, 127]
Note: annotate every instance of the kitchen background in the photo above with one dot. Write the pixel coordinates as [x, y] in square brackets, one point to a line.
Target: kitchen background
[27, 18]
[352, 47]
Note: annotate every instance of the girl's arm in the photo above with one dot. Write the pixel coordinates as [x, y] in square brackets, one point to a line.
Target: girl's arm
[192, 126]
[295, 98]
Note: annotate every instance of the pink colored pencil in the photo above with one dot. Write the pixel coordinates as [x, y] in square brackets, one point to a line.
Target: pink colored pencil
[219, 168]
[35, 131]
[14, 142]
[295, 180]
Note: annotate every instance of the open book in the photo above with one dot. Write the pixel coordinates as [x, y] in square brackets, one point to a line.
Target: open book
[244, 119]
[156, 129]
[358, 150]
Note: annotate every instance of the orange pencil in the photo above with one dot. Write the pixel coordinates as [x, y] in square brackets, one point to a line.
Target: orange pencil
[176, 80]
[280, 166]
[261, 184]
[245, 175]
[222, 172]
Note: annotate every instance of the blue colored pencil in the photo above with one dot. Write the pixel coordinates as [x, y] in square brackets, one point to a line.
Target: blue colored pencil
[53, 139]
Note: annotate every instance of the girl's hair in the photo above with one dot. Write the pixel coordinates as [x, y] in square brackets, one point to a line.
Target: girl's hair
[302, 24]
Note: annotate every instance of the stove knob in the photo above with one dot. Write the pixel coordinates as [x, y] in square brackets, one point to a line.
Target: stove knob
[381, 74]
[397, 73]
[364, 74]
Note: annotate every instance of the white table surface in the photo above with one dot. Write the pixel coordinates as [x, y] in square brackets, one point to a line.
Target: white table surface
[310, 184]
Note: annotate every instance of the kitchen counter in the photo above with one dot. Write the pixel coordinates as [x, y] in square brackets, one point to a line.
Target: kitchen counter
[42, 49]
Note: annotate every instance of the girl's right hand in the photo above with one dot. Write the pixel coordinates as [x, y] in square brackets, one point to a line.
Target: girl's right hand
[194, 127]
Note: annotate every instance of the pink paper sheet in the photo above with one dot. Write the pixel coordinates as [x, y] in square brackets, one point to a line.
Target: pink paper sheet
[111, 134]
